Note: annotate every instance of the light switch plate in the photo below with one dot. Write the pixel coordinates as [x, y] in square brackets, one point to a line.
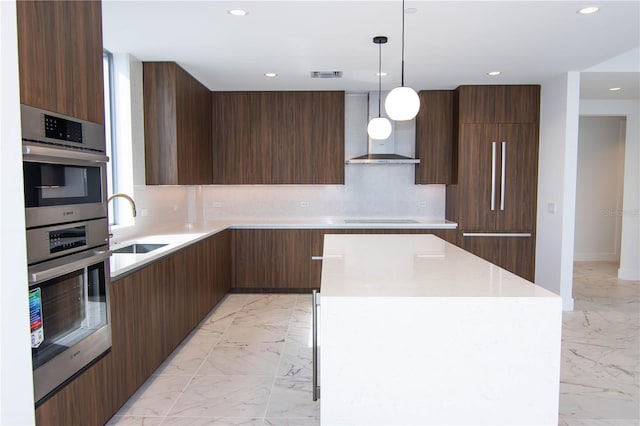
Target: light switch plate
[551, 208]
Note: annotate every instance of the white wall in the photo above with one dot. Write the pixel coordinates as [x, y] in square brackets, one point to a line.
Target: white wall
[630, 241]
[599, 188]
[559, 105]
[16, 382]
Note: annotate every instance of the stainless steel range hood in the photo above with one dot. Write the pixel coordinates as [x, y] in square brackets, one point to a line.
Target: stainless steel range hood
[382, 151]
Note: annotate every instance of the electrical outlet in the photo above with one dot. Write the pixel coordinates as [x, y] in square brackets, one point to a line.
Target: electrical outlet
[304, 204]
[422, 204]
[216, 204]
[175, 207]
[551, 208]
[144, 212]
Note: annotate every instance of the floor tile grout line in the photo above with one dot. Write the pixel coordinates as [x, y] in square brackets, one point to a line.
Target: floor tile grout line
[275, 376]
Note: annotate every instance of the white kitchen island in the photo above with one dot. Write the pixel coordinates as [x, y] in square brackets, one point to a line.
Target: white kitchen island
[416, 331]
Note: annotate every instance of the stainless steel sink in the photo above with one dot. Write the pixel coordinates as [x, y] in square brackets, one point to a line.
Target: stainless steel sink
[139, 248]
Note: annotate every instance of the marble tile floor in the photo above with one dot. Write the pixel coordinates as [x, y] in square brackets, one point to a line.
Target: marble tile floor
[249, 362]
[600, 370]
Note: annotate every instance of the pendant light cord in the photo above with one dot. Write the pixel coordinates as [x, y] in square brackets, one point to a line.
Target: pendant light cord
[379, 78]
[402, 73]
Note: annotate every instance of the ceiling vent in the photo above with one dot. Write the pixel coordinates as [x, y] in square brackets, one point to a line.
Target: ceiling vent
[326, 74]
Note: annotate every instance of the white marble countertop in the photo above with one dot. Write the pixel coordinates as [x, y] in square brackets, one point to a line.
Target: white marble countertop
[179, 237]
[413, 266]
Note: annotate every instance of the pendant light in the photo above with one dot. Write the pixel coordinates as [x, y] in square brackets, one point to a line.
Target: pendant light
[379, 127]
[402, 103]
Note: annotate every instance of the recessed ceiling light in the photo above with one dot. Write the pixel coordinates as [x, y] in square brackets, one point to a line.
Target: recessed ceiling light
[492, 73]
[238, 12]
[270, 74]
[381, 74]
[588, 10]
[614, 89]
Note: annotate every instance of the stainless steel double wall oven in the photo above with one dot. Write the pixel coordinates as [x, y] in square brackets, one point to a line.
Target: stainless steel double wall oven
[64, 166]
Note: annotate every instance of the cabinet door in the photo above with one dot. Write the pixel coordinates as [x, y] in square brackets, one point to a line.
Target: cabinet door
[281, 130]
[177, 126]
[278, 137]
[271, 259]
[434, 137]
[327, 138]
[515, 254]
[193, 115]
[518, 178]
[60, 57]
[86, 400]
[160, 130]
[499, 104]
[478, 175]
[139, 337]
[236, 155]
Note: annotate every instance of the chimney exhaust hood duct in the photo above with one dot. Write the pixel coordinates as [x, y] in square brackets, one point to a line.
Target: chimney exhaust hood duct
[381, 151]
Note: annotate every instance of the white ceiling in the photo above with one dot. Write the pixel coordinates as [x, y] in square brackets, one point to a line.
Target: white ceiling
[447, 43]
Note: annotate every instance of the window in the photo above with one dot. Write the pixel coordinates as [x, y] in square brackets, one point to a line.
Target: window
[109, 130]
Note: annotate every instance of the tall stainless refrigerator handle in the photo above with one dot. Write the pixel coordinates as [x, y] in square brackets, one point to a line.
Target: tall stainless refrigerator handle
[315, 301]
[493, 175]
[503, 180]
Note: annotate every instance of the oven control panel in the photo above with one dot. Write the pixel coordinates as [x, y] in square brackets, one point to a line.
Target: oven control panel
[62, 129]
[51, 242]
[67, 238]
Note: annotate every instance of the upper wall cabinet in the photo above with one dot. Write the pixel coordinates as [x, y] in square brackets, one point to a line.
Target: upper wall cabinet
[498, 104]
[278, 137]
[60, 57]
[434, 137]
[177, 126]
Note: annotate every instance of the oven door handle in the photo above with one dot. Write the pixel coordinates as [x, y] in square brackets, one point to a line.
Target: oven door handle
[37, 276]
[36, 151]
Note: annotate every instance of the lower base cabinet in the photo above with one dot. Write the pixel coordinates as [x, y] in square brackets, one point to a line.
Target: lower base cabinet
[280, 260]
[86, 400]
[152, 311]
[515, 254]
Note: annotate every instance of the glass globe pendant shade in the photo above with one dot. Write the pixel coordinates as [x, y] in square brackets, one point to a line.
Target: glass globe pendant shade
[379, 128]
[402, 104]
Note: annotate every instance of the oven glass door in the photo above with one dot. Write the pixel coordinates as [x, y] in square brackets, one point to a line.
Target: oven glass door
[54, 184]
[63, 186]
[66, 310]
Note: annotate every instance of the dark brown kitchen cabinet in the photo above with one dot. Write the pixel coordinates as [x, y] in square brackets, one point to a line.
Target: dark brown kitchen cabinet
[497, 168]
[276, 259]
[60, 57]
[434, 137]
[177, 126]
[278, 137]
[87, 399]
[498, 104]
[499, 177]
[154, 308]
[515, 254]
[280, 260]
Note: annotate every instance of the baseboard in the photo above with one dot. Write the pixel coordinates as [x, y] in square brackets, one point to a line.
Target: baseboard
[629, 274]
[596, 257]
[567, 304]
